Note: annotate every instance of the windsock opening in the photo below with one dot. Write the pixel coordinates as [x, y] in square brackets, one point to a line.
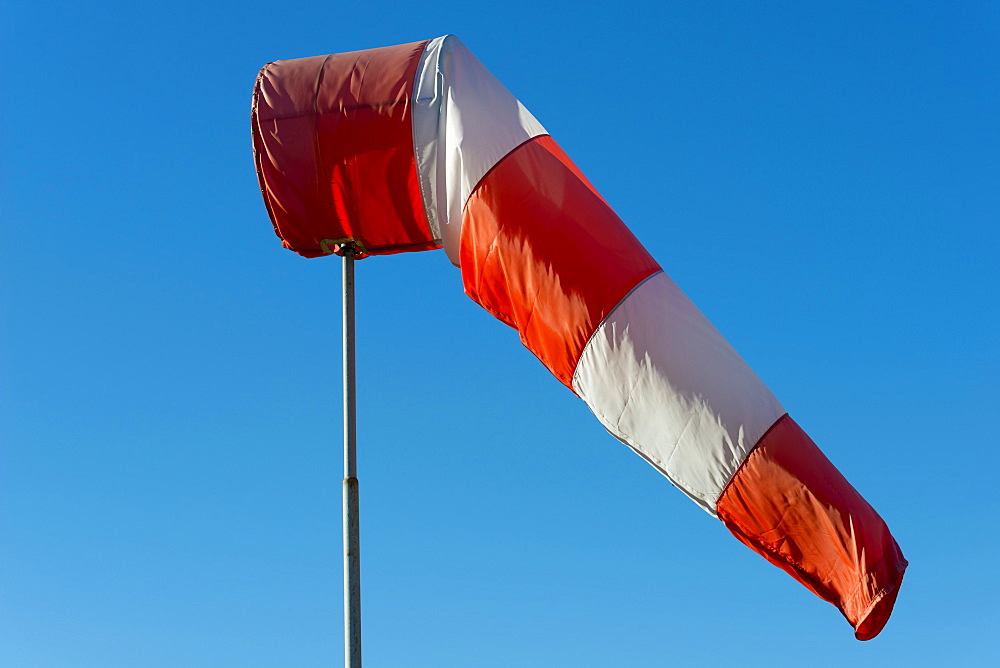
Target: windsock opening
[334, 152]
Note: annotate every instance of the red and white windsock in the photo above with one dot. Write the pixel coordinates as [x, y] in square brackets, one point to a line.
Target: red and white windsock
[418, 146]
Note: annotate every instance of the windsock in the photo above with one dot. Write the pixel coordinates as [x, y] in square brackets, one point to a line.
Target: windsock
[418, 147]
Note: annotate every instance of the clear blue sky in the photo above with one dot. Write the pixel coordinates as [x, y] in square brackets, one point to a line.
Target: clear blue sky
[822, 181]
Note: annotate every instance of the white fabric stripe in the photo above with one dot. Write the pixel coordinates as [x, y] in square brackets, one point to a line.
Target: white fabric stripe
[464, 122]
[663, 380]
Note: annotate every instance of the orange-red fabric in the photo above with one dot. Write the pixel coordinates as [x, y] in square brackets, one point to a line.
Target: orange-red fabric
[334, 151]
[542, 251]
[790, 504]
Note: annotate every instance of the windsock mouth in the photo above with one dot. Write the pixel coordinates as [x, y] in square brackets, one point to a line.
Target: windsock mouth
[333, 150]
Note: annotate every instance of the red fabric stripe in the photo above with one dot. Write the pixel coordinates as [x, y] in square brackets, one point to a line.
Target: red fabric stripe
[335, 150]
[542, 251]
[790, 504]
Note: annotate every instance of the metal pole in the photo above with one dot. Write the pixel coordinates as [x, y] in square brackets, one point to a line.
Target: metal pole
[352, 543]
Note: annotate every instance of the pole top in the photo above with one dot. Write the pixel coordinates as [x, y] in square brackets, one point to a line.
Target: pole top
[348, 247]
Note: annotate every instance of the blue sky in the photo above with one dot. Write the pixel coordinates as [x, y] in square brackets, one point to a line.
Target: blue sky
[821, 180]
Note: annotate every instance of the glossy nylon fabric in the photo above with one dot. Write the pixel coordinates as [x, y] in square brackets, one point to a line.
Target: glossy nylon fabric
[410, 139]
[542, 251]
[791, 505]
[464, 123]
[334, 151]
[665, 382]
